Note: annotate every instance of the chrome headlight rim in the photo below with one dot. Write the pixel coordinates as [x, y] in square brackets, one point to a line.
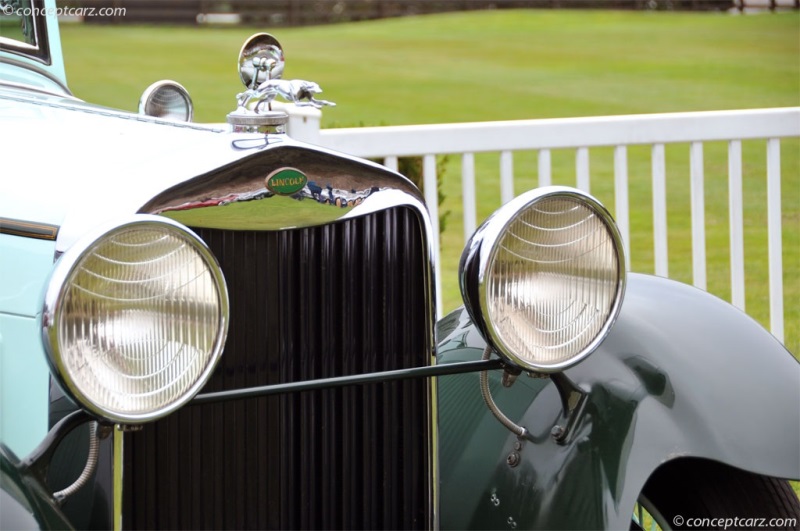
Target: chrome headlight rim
[482, 248]
[152, 101]
[53, 299]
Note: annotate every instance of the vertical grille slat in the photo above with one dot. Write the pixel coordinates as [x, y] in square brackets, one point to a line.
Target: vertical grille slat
[345, 298]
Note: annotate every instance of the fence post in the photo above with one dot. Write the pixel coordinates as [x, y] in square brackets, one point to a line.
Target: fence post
[774, 243]
[698, 210]
[659, 175]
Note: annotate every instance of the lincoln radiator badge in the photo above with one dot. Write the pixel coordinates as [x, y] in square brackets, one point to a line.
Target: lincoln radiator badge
[286, 181]
[261, 63]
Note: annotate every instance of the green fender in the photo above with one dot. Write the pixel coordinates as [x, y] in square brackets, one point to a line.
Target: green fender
[24, 501]
[681, 374]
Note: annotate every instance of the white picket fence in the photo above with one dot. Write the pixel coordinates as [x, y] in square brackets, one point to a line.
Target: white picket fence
[582, 134]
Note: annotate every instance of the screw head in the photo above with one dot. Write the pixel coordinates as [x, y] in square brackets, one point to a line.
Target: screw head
[512, 459]
[557, 432]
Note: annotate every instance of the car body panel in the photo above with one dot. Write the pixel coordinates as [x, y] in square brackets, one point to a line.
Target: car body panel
[24, 374]
[24, 377]
[669, 381]
[14, 73]
[33, 261]
[105, 167]
[24, 502]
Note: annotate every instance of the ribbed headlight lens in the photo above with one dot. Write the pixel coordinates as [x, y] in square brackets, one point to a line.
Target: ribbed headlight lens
[135, 319]
[546, 276]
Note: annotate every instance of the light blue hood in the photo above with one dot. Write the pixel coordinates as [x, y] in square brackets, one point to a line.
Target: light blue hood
[76, 166]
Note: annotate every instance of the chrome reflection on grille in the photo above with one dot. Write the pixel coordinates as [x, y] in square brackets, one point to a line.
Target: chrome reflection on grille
[344, 298]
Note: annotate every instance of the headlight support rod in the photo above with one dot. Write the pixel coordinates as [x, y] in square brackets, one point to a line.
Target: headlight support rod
[356, 379]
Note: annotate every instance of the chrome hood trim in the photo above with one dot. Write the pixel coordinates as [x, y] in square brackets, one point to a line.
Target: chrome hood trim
[323, 187]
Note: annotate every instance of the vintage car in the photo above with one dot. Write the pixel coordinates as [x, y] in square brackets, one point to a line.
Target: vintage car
[216, 326]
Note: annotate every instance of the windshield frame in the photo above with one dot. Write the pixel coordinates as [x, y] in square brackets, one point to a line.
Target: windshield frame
[40, 50]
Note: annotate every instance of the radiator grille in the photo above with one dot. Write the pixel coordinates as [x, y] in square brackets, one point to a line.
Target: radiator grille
[340, 299]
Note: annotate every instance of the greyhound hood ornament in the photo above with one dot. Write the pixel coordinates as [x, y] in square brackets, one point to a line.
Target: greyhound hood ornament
[261, 63]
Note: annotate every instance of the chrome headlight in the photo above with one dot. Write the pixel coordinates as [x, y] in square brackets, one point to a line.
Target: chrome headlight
[167, 99]
[543, 278]
[135, 319]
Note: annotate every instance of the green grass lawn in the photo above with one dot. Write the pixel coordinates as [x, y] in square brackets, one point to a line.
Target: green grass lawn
[500, 65]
